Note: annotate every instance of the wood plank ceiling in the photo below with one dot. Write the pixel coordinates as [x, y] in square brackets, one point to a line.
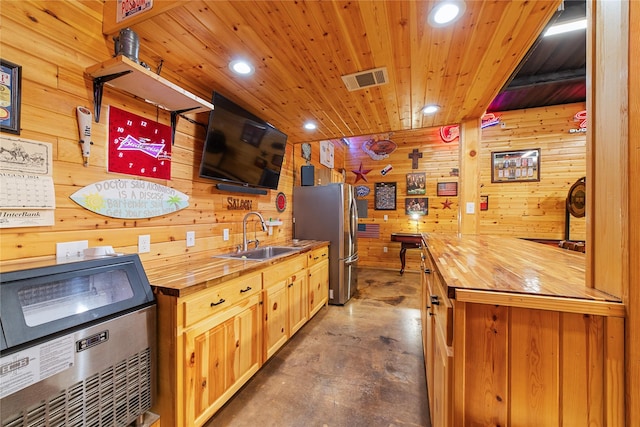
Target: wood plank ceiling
[300, 50]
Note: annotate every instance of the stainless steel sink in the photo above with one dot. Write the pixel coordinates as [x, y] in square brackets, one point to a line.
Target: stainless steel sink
[261, 254]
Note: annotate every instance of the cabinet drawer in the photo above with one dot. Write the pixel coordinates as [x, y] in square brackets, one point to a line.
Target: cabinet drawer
[284, 270]
[211, 301]
[317, 255]
[440, 306]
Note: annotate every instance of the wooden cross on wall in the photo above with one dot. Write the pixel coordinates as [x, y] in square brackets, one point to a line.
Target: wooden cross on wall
[414, 156]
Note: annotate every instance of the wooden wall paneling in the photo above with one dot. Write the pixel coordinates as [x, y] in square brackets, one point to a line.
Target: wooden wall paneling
[534, 209]
[468, 222]
[486, 385]
[54, 49]
[615, 399]
[534, 368]
[607, 56]
[581, 359]
[632, 348]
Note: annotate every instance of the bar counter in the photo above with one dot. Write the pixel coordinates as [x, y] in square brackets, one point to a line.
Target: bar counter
[507, 264]
[205, 270]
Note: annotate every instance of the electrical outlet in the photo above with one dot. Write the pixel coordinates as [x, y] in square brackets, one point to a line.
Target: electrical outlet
[225, 234]
[71, 249]
[385, 249]
[144, 244]
[191, 238]
[386, 218]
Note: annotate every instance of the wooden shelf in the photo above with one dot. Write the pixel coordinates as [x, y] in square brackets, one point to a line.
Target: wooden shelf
[126, 75]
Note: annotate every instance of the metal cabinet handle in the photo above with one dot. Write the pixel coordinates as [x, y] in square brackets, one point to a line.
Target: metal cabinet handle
[247, 289]
[213, 304]
[427, 271]
[434, 300]
[290, 285]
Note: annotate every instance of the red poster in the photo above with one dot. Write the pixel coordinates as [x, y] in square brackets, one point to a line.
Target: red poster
[138, 146]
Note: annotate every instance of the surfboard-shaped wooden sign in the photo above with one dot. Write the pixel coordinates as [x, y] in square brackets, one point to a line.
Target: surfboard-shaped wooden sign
[130, 198]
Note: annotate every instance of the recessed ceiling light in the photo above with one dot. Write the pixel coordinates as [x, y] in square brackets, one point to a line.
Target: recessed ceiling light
[446, 12]
[310, 126]
[240, 66]
[565, 27]
[430, 109]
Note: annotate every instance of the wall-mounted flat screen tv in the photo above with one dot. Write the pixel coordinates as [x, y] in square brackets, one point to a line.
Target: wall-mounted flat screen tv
[240, 147]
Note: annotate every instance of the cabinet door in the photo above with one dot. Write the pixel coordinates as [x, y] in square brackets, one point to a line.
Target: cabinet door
[276, 317]
[318, 286]
[298, 304]
[245, 354]
[221, 354]
[206, 373]
[441, 412]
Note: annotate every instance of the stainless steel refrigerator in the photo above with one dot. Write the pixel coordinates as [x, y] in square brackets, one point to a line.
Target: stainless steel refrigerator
[328, 212]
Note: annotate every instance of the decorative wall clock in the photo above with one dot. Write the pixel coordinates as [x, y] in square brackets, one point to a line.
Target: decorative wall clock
[138, 146]
[281, 202]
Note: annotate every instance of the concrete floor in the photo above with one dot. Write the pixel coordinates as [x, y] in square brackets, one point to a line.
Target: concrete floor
[356, 365]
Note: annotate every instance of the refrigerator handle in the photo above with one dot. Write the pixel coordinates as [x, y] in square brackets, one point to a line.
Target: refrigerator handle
[352, 260]
[353, 213]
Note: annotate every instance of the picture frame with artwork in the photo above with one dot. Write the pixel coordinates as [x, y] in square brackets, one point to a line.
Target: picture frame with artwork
[416, 183]
[445, 189]
[515, 166]
[10, 96]
[416, 206]
[385, 196]
[484, 203]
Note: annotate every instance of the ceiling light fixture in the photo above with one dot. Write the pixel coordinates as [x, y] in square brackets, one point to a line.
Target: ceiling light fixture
[242, 67]
[310, 126]
[430, 109]
[446, 12]
[565, 27]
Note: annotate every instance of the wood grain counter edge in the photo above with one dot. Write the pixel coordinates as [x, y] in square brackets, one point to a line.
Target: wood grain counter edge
[206, 271]
[567, 305]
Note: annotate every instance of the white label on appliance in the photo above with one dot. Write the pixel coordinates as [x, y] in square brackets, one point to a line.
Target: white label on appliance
[26, 367]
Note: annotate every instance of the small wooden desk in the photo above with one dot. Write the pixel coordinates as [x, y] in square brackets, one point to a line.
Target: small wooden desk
[408, 241]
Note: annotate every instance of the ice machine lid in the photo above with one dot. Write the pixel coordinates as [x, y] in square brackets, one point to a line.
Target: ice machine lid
[37, 303]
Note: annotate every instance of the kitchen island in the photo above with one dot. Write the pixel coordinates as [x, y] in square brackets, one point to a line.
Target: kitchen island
[512, 335]
[220, 319]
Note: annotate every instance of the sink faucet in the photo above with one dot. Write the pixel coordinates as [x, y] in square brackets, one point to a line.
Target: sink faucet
[245, 242]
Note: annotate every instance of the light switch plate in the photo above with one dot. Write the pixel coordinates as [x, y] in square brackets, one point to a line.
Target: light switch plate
[225, 234]
[471, 207]
[191, 238]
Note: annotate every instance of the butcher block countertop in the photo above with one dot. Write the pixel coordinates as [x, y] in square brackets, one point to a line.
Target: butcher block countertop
[511, 271]
[205, 270]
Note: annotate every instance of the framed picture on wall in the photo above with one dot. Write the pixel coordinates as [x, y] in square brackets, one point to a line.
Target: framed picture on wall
[385, 196]
[416, 206]
[447, 189]
[484, 203]
[10, 94]
[417, 183]
[515, 166]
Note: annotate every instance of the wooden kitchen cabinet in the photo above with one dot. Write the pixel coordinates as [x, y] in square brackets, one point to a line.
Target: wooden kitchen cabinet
[222, 353]
[514, 338]
[213, 339]
[285, 300]
[318, 263]
[209, 345]
[437, 325]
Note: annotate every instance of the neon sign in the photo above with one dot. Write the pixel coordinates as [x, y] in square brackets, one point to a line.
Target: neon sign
[451, 132]
[581, 117]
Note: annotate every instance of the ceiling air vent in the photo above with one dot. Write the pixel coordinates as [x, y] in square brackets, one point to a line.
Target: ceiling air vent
[364, 79]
